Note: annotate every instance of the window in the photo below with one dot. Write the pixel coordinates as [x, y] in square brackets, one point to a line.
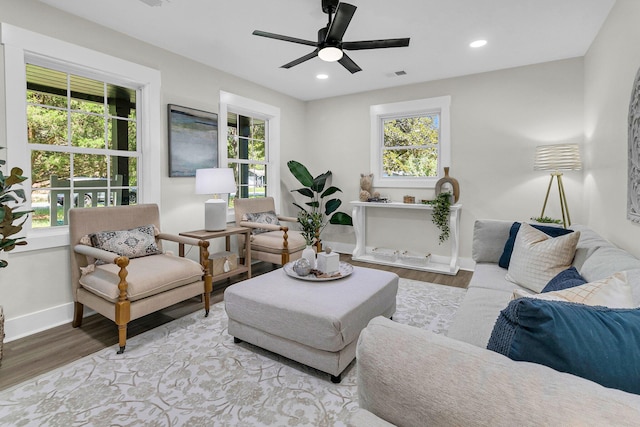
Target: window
[82, 138]
[253, 146]
[410, 142]
[104, 150]
[247, 154]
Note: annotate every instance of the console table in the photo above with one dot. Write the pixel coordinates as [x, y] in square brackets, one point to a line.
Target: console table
[359, 224]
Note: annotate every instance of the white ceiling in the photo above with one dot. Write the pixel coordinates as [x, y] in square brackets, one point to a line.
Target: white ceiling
[218, 33]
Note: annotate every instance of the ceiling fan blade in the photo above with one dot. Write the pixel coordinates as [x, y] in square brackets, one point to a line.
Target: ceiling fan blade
[340, 22]
[375, 44]
[284, 38]
[349, 64]
[301, 59]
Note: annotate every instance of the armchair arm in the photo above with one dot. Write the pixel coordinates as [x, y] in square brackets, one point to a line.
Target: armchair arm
[102, 255]
[271, 227]
[180, 239]
[287, 218]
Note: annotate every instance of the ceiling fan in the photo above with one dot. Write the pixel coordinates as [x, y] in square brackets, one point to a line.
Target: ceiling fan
[330, 46]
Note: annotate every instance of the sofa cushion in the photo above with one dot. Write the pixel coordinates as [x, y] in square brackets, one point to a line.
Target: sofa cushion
[134, 243]
[268, 217]
[593, 342]
[537, 258]
[565, 279]
[613, 292]
[489, 237]
[607, 260]
[552, 231]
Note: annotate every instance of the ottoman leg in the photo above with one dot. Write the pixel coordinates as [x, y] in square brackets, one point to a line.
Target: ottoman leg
[237, 340]
[336, 379]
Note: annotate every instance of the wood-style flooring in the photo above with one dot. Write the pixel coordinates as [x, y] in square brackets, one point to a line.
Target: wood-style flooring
[42, 352]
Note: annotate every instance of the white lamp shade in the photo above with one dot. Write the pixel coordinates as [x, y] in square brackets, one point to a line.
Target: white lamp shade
[215, 181]
[557, 157]
[330, 54]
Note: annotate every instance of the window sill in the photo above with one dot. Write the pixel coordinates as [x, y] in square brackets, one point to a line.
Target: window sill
[45, 239]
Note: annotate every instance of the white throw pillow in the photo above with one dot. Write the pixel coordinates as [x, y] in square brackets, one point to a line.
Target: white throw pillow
[613, 292]
[538, 258]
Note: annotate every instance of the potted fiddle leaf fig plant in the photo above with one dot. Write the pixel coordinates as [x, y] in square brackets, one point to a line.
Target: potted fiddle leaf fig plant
[12, 217]
[321, 209]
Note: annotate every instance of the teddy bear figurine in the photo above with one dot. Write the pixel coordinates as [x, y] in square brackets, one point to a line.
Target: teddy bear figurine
[366, 192]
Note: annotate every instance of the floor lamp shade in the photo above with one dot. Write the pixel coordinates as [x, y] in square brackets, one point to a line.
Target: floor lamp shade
[215, 181]
[557, 158]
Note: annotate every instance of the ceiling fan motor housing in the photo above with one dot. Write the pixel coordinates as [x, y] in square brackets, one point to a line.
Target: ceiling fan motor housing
[329, 6]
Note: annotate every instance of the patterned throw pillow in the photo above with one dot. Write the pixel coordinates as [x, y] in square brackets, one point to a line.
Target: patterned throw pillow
[134, 243]
[612, 292]
[505, 259]
[538, 258]
[268, 217]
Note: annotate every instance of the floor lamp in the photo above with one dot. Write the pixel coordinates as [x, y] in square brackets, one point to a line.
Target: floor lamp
[557, 158]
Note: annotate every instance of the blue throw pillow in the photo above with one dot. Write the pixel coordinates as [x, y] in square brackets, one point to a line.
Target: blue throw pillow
[597, 343]
[566, 279]
[505, 258]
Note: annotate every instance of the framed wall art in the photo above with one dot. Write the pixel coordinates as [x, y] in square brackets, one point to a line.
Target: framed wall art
[193, 140]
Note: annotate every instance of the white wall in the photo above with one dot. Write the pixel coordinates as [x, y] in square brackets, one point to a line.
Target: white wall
[497, 120]
[34, 289]
[610, 68]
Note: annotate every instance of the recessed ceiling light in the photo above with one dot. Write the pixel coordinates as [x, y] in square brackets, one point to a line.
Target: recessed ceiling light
[322, 76]
[478, 43]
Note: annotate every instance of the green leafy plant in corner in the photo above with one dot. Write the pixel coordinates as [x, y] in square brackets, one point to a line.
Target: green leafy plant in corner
[546, 220]
[440, 216]
[12, 198]
[320, 209]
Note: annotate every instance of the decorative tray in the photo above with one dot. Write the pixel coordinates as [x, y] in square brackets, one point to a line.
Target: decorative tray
[345, 270]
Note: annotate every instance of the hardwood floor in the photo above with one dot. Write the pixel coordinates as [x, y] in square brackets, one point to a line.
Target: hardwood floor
[42, 352]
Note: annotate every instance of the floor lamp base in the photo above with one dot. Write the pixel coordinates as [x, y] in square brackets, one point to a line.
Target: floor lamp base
[566, 219]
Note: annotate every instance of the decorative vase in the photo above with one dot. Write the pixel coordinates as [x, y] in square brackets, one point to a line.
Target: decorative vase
[452, 182]
[309, 253]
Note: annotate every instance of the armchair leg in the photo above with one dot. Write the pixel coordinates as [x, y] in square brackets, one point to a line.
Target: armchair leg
[122, 337]
[77, 314]
[208, 287]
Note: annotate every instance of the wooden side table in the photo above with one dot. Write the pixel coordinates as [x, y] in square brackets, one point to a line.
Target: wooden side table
[227, 233]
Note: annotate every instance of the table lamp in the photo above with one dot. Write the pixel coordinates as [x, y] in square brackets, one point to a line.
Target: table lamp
[557, 158]
[215, 181]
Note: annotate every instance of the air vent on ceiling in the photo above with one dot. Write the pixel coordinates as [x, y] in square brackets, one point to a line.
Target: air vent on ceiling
[400, 73]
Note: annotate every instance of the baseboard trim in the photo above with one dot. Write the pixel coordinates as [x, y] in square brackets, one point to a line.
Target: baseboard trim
[32, 323]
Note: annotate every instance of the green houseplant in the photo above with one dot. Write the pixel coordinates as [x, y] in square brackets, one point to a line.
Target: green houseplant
[12, 198]
[320, 210]
[440, 217]
[546, 220]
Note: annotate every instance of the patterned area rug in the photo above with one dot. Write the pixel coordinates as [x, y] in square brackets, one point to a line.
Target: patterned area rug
[190, 373]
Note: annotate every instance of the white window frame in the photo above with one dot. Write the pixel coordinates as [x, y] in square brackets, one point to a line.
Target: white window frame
[230, 102]
[381, 112]
[19, 45]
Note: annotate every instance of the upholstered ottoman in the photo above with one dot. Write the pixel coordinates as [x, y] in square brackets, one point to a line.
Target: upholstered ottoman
[314, 323]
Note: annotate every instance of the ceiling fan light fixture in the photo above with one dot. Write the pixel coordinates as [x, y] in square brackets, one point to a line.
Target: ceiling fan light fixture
[330, 54]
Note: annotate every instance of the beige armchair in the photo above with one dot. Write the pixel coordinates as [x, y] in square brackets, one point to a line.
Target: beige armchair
[123, 289]
[278, 245]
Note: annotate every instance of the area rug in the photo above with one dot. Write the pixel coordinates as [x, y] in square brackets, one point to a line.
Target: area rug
[190, 373]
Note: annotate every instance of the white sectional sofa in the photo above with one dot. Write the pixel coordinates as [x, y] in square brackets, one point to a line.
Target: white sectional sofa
[411, 377]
